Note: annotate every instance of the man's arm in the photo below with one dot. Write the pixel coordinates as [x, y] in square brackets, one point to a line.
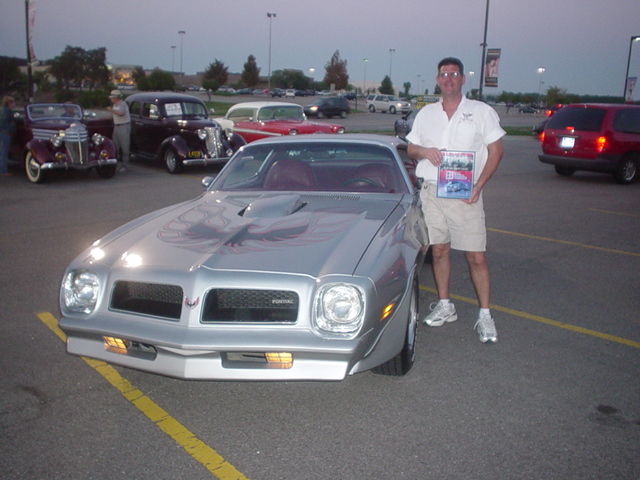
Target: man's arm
[416, 152]
[496, 151]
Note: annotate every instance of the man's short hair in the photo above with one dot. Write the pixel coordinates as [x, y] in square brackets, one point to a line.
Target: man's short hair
[451, 61]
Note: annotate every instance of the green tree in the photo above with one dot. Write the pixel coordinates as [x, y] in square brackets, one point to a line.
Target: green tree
[9, 74]
[68, 67]
[137, 73]
[406, 88]
[290, 79]
[251, 74]
[157, 80]
[95, 68]
[216, 72]
[336, 72]
[386, 87]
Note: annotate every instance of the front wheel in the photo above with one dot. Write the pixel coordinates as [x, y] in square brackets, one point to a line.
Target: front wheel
[627, 169]
[320, 114]
[33, 169]
[403, 361]
[343, 114]
[107, 171]
[372, 108]
[392, 110]
[171, 161]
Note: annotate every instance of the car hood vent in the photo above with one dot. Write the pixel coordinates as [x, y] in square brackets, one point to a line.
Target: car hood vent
[271, 207]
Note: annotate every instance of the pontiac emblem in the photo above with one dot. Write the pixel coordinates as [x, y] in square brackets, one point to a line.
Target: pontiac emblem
[191, 304]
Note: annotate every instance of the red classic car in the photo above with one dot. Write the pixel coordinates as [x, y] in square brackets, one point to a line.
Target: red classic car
[255, 120]
[52, 136]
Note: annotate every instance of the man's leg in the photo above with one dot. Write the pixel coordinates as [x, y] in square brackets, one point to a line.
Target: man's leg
[442, 268]
[479, 269]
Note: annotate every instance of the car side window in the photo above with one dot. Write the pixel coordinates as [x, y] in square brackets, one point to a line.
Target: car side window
[627, 121]
[134, 109]
[151, 111]
[241, 115]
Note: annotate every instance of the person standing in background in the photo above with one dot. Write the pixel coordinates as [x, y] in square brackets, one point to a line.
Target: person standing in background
[121, 128]
[7, 129]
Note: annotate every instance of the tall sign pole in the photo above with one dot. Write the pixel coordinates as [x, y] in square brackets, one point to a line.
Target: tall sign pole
[30, 59]
[484, 51]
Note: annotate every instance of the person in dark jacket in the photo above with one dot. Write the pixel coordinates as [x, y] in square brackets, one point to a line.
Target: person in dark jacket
[7, 129]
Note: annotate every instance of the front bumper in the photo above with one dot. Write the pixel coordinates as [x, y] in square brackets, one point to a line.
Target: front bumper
[78, 166]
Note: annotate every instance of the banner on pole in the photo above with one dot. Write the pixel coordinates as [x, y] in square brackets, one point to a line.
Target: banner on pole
[491, 66]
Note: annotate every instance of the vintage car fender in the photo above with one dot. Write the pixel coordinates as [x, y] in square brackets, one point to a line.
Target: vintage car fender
[39, 151]
[177, 143]
[235, 140]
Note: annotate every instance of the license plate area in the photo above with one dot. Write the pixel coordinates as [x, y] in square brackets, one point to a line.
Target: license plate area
[567, 142]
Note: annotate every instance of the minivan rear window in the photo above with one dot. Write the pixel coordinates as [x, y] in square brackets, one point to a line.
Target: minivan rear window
[583, 119]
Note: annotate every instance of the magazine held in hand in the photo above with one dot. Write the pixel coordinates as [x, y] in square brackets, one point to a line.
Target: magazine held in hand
[455, 174]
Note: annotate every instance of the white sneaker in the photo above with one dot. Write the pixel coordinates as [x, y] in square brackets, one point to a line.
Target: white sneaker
[440, 314]
[486, 329]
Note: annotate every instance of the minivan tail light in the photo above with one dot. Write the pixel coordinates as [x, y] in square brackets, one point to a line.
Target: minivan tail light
[601, 144]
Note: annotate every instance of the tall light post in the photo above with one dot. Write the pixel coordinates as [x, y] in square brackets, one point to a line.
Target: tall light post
[391, 52]
[270, 15]
[181, 33]
[484, 51]
[635, 38]
[173, 56]
[364, 88]
[418, 86]
[311, 72]
[541, 70]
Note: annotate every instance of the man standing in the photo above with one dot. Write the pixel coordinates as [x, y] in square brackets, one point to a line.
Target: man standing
[459, 124]
[7, 129]
[121, 128]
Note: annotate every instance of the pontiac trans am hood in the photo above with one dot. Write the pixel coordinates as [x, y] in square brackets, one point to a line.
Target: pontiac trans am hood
[311, 234]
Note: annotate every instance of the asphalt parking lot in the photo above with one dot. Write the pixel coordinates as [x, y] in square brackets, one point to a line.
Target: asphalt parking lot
[557, 397]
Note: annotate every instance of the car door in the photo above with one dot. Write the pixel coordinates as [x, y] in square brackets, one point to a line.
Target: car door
[145, 127]
[245, 123]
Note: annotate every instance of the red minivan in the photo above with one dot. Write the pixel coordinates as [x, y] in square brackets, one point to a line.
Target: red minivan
[594, 137]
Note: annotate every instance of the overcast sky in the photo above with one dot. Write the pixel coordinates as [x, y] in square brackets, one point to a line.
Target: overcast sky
[582, 44]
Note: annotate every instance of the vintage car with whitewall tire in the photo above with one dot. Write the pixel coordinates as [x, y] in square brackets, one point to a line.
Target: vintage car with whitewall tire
[256, 120]
[176, 128]
[299, 262]
[60, 136]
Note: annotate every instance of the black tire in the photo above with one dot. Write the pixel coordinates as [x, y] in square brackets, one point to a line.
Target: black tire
[320, 114]
[33, 169]
[402, 363]
[108, 171]
[171, 161]
[565, 171]
[392, 110]
[372, 108]
[627, 169]
[343, 114]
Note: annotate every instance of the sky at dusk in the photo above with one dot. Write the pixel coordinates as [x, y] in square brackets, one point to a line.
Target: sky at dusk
[583, 45]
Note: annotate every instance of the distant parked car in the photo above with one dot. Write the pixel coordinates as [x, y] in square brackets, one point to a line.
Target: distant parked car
[387, 103]
[328, 107]
[594, 137]
[58, 136]
[255, 120]
[290, 93]
[244, 91]
[526, 109]
[177, 129]
[277, 92]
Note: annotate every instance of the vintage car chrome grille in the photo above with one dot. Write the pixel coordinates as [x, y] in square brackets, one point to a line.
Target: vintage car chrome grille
[239, 305]
[148, 299]
[76, 140]
[213, 141]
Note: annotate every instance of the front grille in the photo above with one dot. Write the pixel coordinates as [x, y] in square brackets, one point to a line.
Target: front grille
[76, 141]
[213, 142]
[148, 299]
[239, 305]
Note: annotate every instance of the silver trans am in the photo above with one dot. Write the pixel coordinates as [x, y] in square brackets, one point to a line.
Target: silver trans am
[299, 262]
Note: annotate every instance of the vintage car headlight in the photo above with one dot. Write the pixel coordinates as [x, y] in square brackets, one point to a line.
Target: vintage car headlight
[340, 130]
[80, 291]
[339, 308]
[293, 131]
[97, 139]
[57, 139]
[202, 134]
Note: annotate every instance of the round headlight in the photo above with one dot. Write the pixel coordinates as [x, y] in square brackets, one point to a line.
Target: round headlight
[80, 291]
[202, 134]
[97, 139]
[340, 308]
[58, 139]
[293, 132]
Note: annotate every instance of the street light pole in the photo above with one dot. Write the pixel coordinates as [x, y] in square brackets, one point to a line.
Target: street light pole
[173, 55]
[541, 70]
[364, 88]
[391, 52]
[635, 38]
[270, 15]
[181, 33]
[484, 51]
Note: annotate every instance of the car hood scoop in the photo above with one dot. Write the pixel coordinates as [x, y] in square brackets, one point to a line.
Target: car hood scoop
[270, 207]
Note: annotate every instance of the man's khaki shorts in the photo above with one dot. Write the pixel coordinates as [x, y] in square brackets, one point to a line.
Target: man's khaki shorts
[454, 221]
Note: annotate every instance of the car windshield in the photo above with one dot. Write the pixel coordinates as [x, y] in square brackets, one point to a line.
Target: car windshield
[54, 111]
[583, 119]
[320, 167]
[182, 109]
[287, 112]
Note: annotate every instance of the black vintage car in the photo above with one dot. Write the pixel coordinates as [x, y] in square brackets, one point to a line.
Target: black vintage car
[60, 136]
[177, 129]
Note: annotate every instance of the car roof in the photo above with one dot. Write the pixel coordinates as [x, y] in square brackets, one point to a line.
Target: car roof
[264, 104]
[387, 140]
[163, 96]
[602, 105]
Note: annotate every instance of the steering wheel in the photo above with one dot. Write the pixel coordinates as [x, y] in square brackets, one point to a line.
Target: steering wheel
[368, 181]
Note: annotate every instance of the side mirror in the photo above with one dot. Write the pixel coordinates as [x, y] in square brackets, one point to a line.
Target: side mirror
[207, 181]
[212, 111]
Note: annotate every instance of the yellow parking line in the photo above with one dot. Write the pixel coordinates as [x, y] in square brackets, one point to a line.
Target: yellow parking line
[195, 447]
[565, 242]
[548, 321]
[624, 214]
